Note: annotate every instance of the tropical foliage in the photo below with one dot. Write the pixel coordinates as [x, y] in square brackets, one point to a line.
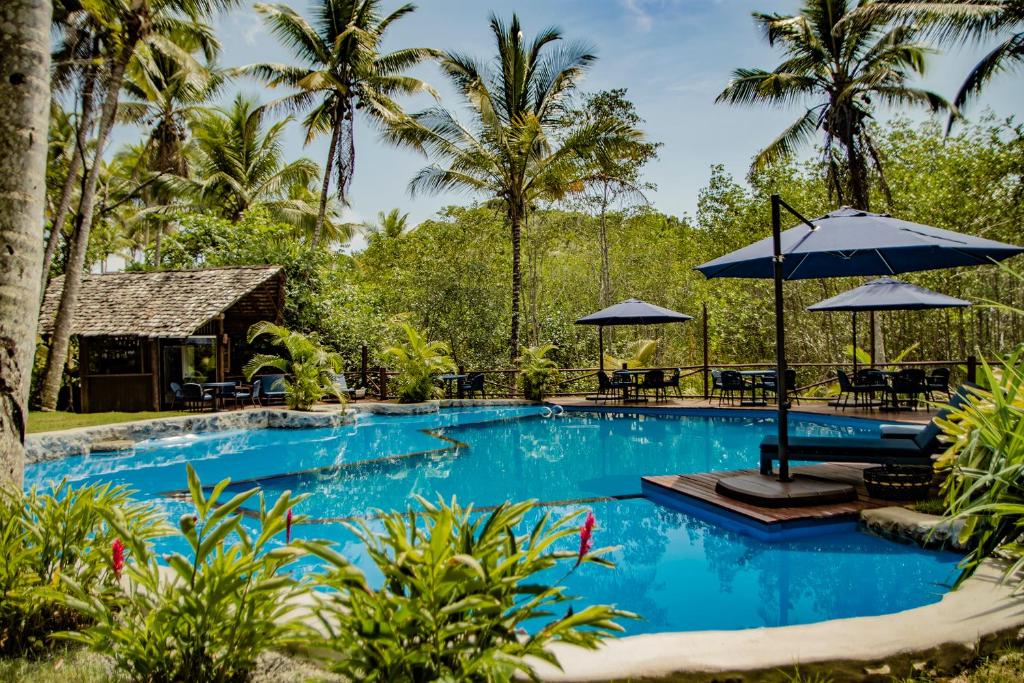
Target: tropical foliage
[56, 541]
[419, 364]
[228, 599]
[537, 371]
[309, 368]
[482, 587]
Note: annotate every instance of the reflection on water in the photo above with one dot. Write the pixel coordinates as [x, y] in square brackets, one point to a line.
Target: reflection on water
[677, 571]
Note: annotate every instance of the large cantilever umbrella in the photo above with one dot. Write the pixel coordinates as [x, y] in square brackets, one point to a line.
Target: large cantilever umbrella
[629, 312]
[845, 243]
[886, 294]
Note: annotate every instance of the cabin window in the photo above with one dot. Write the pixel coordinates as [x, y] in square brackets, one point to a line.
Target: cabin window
[117, 356]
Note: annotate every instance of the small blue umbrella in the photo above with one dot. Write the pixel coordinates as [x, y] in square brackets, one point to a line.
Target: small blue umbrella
[845, 243]
[849, 242]
[886, 294]
[629, 312]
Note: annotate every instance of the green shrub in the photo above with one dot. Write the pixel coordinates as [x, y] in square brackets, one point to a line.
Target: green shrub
[537, 371]
[208, 616]
[309, 368]
[985, 459]
[459, 588]
[419, 364]
[51, 540]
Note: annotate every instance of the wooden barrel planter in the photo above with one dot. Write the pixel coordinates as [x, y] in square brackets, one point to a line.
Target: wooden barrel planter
[898, 482]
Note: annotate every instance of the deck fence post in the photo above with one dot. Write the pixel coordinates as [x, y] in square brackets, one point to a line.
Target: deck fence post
[707, 370]
[382, 383]
[364, 360]
[972, 369]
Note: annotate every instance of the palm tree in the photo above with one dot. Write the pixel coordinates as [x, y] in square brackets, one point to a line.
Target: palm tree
[24, 87]
[518, 148]
[842, 63]
[390, 225]
[955, 21]
[122, 28]
[309, 367]
[419, 363]
[341, 72]
[239, 163]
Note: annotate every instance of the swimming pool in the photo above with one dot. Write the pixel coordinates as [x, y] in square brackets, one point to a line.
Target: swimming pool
[678, 570]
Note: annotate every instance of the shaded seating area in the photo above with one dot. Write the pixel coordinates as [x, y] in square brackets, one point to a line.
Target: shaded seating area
[271, 389]
[473, 386]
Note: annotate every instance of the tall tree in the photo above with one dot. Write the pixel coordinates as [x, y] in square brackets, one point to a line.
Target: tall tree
[611, 174]
[123, 26]
[518, 147]
[342, 71]
[842, 63]
[957, 21]
[239, 163]
[25, 92]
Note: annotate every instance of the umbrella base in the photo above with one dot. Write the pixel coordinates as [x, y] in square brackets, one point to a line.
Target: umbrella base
[767, 491]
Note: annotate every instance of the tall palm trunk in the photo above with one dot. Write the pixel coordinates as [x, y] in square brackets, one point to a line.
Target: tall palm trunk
[325, 190]
[61, 337]
[77, 157]
[25, 92]
[516, 221]
[606, 278]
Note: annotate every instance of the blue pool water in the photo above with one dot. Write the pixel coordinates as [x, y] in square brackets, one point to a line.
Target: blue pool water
[678, 570]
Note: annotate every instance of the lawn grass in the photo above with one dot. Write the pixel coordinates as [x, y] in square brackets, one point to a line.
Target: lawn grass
[39, 421]
[75, 665]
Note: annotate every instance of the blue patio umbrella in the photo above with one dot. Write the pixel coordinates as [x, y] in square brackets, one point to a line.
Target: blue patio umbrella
[845, 243]
[629, 312]
[886, 294]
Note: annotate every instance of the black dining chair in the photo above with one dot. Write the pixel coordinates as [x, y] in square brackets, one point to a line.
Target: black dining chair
[732, 383]
[473, 384]
[608, 389]
[849, 388]
[910, 383]
[938, 382]
[195, 398]
[178, 395]
[653, 380]
[673, 382]
[769, 386]
[716, 383]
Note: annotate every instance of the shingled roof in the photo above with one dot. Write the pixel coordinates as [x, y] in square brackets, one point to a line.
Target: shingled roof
[168, 303]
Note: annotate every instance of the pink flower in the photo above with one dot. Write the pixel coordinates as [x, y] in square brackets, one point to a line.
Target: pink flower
[586, 531]
[117, 557]
[288, 527]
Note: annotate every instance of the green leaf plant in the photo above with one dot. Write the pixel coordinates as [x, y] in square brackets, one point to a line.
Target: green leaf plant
[419, 363]
[537, 371]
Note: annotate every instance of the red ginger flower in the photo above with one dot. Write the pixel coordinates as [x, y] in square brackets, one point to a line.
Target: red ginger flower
[288, 527]
[586, 531]
[117, 557]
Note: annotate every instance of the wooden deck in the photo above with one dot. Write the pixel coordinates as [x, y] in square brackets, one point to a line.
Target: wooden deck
[701, 487]
[920, 416]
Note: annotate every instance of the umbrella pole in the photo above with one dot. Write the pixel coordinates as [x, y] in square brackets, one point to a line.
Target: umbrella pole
[600, 347]
[854, 346]
[780, 343]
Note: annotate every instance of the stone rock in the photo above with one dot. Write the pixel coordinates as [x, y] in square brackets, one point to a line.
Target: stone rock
[904, 524]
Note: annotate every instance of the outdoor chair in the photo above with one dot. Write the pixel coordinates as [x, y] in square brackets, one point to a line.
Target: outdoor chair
[716, 383]
[178, 395]
[769, 386]
[910, 383]
[243, 393]
[194, 398]
[917, 449]
[341, 386]
[937, 382]
[673, 382]
[731, 383]
[848, 388]
[473, 384]
[607, 389]
[271, 389]
[653, 380]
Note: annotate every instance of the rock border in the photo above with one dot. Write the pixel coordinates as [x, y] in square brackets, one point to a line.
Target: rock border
[906, 525]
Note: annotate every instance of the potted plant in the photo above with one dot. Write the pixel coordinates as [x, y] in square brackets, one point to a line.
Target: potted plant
[420, 362]
[537, 371]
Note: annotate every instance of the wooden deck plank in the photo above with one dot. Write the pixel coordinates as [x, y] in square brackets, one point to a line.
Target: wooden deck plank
[701, 487]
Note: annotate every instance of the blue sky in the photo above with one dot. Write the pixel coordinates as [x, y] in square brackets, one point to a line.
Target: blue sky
[674, 56]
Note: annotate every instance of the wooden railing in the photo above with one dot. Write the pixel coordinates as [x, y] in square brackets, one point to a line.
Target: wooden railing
[695, 380]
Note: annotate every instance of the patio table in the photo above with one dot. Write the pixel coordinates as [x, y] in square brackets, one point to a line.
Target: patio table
[451, 380]
[633, 377]
[755, 374]
[219, 390]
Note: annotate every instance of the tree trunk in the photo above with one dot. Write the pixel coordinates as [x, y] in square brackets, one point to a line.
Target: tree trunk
[24, 118]
[516, 220]
[64, 206]
[61, 337]
[157, 255]
[328, 169]
[606, 278]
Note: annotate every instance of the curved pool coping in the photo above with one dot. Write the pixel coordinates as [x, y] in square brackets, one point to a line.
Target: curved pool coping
[938, 637]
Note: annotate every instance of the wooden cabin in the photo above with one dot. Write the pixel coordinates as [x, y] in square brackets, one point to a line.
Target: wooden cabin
[138, 332]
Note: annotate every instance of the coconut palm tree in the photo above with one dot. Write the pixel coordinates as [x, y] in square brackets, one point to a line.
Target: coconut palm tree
[342, 71]
[840, 64]
[518, 148]
[956, 21]
[239, 163]
[122, 28]
[25, 92]
[390, 225]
